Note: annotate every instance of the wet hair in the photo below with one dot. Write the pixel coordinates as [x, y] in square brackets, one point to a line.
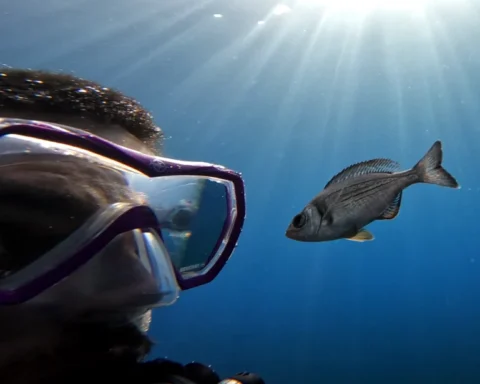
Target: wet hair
[34, 91]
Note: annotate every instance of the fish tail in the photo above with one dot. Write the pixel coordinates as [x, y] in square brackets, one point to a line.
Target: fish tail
[429, 169]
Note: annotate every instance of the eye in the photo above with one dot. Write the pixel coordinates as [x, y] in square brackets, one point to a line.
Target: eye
[299, 220]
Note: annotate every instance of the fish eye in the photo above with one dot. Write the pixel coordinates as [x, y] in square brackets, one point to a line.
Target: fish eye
[299, 221]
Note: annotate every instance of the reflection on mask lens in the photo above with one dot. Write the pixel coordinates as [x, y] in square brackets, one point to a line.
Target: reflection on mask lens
[193, 213]
[195, 229]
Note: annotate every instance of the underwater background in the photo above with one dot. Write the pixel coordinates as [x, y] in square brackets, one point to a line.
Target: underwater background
[289, 94]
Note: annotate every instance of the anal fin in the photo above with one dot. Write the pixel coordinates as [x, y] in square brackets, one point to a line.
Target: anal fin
[361, 236]
[393, 209]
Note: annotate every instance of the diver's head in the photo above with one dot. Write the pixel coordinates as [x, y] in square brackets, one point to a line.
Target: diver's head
[81, 235]
[47, 197]
[43, 200]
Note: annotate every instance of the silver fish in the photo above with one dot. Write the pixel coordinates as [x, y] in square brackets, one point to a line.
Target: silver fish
[362, 193]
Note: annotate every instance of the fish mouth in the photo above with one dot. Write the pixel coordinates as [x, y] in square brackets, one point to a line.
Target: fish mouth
[290, 233]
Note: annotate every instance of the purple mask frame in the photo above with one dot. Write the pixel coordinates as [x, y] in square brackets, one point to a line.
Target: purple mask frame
[139, 217]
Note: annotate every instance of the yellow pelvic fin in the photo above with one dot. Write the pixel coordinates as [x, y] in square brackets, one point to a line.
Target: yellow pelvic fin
[361, 236]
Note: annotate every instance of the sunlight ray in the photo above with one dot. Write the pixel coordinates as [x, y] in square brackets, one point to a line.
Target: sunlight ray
[344, 84]
[441, 101]
[255, 64]
[395, 75]
[210, 70]
[105, 32]
[366, 6]
[180, 39]
[297, 83]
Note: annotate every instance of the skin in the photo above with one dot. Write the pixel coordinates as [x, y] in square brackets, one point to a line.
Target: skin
[52, 344]
[112, 132]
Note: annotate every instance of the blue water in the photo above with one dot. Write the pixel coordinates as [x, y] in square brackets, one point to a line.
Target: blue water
[289, 103]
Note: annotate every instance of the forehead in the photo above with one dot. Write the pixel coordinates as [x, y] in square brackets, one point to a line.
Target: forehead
[109, 131]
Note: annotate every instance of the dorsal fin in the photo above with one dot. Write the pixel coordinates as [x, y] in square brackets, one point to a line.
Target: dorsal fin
[392, 211]
[365, 167]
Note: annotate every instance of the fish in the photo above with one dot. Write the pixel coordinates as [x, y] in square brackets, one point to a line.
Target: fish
[363, 193]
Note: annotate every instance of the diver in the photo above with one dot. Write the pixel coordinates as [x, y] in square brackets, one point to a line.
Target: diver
[85, 252]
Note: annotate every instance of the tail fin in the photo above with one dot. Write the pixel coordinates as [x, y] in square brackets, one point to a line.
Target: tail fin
[429, 169]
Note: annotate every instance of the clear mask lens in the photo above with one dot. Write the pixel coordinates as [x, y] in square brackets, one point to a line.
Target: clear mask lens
[50, 193]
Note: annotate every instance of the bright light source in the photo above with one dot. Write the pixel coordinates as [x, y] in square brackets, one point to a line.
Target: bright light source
[367, 4]
[281, 9]
[217, 15]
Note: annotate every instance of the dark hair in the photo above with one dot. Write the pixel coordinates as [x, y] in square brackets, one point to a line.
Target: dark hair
[23, 90]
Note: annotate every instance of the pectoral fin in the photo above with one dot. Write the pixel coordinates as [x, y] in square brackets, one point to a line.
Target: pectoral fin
[361, 236]
[392, 210]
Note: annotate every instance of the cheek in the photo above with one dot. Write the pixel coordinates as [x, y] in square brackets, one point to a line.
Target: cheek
[118, 271]
[112, 279]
